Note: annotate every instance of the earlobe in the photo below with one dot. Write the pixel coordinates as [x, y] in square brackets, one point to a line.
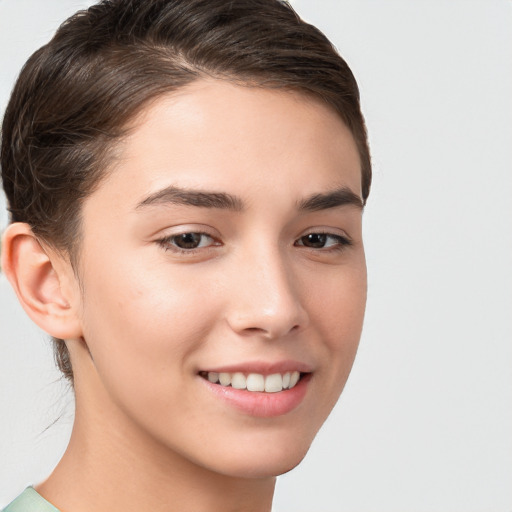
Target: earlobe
[42, 281]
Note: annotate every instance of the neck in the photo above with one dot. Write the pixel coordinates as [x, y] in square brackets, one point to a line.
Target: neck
[110, 465]
[119, 478]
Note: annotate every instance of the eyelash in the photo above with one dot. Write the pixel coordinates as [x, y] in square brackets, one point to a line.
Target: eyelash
[342, 242]
[168, 242]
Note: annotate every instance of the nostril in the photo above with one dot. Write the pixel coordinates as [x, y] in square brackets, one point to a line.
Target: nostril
[270, 332]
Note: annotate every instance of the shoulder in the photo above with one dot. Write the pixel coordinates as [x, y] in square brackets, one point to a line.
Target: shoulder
[30, 501]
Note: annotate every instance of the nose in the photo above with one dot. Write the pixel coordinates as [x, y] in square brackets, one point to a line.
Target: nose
[266, 297]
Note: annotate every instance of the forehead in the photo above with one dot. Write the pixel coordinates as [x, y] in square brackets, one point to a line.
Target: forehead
[214, 135]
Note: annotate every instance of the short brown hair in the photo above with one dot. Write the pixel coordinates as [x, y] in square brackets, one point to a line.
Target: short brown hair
[76, 94]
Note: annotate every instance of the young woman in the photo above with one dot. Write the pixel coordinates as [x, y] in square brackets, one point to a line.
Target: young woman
[186, 180]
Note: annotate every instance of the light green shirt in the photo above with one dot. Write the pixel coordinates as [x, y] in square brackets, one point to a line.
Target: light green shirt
[30, 501]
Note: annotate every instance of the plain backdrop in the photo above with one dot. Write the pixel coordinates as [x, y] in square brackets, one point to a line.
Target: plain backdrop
[425, 422]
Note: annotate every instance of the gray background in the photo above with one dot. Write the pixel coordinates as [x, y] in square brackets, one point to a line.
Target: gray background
[425, 423]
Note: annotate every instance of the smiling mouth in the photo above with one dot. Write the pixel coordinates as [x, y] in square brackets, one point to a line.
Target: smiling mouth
[255, 382]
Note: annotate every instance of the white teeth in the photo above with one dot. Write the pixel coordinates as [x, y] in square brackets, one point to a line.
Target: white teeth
[238, 381]
[256, 381]
[225, 379]
[213, 377]
[273, 383]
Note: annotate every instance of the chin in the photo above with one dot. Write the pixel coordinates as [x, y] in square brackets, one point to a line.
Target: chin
[269, 462]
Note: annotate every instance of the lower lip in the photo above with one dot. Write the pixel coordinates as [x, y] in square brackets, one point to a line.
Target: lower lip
[263, 405]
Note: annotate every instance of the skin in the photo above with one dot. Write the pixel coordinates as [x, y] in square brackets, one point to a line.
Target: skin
[143, 318]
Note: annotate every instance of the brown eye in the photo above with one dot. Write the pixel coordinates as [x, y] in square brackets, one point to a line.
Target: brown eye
[187, 241]
[314, 240]
[323, 241]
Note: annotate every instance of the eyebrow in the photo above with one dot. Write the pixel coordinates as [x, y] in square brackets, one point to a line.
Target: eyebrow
[201, 199]
[220, 200]
[340, 197]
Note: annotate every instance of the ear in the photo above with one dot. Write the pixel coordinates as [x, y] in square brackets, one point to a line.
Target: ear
[43, 280]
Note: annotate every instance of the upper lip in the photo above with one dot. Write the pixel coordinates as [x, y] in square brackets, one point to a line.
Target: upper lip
[262, 367]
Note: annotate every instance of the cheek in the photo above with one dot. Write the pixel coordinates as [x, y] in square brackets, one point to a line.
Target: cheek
[337, 311]
[139, 322]
[337, 303]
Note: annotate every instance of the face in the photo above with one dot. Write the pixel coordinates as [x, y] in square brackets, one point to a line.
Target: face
[223, 278]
